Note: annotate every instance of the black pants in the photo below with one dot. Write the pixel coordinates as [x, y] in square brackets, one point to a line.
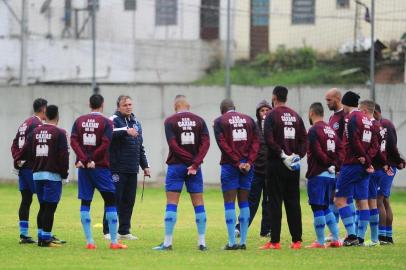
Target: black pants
[284, 187]
[126, 191]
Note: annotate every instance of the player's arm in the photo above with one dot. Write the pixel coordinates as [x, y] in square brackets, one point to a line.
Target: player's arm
[391, 145]
[374, 147]
[269, 137]
[356, 142]
[103, 148]
[75, 144]
[223, 145]
[339, 154]
[316, 149]
[26, 152]
[301, 138]
[255, 144]
[174, 146]
[63, 155]
[203, 147]
[143, 157]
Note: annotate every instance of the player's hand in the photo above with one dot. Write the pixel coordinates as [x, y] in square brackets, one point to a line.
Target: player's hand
[362, 160]
[241, 167]
[247, 167]
[79, 164]
[147, 172]
[191, 171]
[91, 165]
[370, 169]
[332, 169]
[132, 132]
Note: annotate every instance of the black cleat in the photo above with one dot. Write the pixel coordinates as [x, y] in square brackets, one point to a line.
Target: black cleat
[48, 243]
[351, 240]
[26, 240]
[233, 247]
[242, 247]
[202, 248]
[389, 240]
[57, 240]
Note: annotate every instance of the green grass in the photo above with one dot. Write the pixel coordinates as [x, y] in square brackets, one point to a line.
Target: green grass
[319, 75]
[148, 225]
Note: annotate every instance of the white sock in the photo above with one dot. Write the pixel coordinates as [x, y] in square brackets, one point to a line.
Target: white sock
[168, 240]
[202, 240]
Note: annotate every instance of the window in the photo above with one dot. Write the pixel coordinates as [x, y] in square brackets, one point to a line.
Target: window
[130, 5]
[166, 12]
[209, 19]
[343, 3]
[303, 11]
[260, 12]
[90, 4]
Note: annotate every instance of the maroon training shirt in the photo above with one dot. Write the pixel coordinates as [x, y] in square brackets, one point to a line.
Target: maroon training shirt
[337, 123]
[393, 155]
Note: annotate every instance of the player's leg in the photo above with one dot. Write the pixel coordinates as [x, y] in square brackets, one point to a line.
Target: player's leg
[316, 194]
[85, 194]
[292, 206]
[373, 206]
[361, 197]
[389, 220]
[40, 215]
[331, 220]
[118, 194]
[385, 190]
[382, 220]
[51, 198]
[27, 189]
[266, 212]
[245, 183]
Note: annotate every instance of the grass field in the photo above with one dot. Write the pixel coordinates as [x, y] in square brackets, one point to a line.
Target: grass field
[148, 226]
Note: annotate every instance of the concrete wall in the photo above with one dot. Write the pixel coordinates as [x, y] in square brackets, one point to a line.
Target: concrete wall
[154, 103]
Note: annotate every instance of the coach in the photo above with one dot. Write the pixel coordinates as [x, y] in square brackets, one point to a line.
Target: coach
[127, 154]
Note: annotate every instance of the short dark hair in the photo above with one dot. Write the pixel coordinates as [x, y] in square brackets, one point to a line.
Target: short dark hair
[369, 105]
[52, 112]
[96, 101]
[227, 105]
[317, 108]
[378, 108]
[281, 93]
[120, 98]
[38, 104]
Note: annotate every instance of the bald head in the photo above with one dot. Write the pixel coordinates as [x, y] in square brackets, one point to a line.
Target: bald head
[226, 105]
[181, 103]
[333, 99]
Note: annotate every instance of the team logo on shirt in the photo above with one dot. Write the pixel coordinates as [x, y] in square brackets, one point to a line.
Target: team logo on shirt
[187, 138]
[239, 135]
[21, 141]
[336, 126]
[366, 136]
[383, 146]
[90, 125]
[186, 123]
[289, 131]
[41, 150]
[331, 145]
[89, 139]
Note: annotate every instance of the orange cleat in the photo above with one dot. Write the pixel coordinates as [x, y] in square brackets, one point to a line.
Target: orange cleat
[316, 244]
[296, 245]
[118, 246]
[90, 246]
[335, 244]
[270, 245]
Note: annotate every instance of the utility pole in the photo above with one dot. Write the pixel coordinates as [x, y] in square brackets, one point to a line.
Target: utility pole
[23, 40]
[95, 89]
[356, 27]
[228, 54]
[372, 64]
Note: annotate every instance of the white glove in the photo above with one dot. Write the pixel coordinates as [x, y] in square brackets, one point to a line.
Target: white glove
[332, 169]
[292, 162]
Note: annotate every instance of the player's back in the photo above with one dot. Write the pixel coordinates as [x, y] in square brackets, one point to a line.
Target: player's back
[337, 122]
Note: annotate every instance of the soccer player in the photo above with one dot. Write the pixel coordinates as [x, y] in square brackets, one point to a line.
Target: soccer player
[353, 179]
[237, 137]
[188, 140]
[395, 162]
[323, 158]
[90, 139]
[285, 135]
[48, 148]
[24, 167]
[379, 162]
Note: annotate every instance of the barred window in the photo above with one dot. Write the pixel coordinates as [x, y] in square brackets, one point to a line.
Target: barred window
[343, 3]
[166, 12]
[303, 11]
[260, 12]
[130, 4]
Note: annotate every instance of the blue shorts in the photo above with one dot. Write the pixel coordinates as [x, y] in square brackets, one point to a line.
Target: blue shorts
[373, 183]
[319, 190]
[352, 181]
[89, 179]
[385, 184]
[25, 181]
[48, 191]
[177, 175]
[232, 178]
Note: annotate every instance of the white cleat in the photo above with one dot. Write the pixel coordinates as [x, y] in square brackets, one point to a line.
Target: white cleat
[127, 237]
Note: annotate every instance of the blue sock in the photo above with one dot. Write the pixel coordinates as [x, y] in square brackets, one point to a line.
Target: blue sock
[333, 208]
[348, 220]
[230, 221]
[373, 224]
[170, 221]
[111, 217]
[363, 223]
[382, 230]
[356, 221]
[389, 231]
[23, 227]
[244, 220]
[332, 224]
[39, 234]
[350, 203]
[46, 236]
[319, 224]
[85, 219]
[201, 221]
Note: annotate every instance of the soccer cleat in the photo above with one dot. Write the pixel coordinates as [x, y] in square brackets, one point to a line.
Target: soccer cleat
[57, 241]
[389, 239]
[107, 236]
[316, 244]
[270, 245]
[127, 236]
[202, 248]
[237, 233]
[372, 244]
[296, 245]
[26, 240]
[48, 243]
[242, 247]
[383, 243]
[90, 246]
[266, 246]
[335, 244]
[161, 247]
[118, 246]
[233, 247]
[351, 240]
